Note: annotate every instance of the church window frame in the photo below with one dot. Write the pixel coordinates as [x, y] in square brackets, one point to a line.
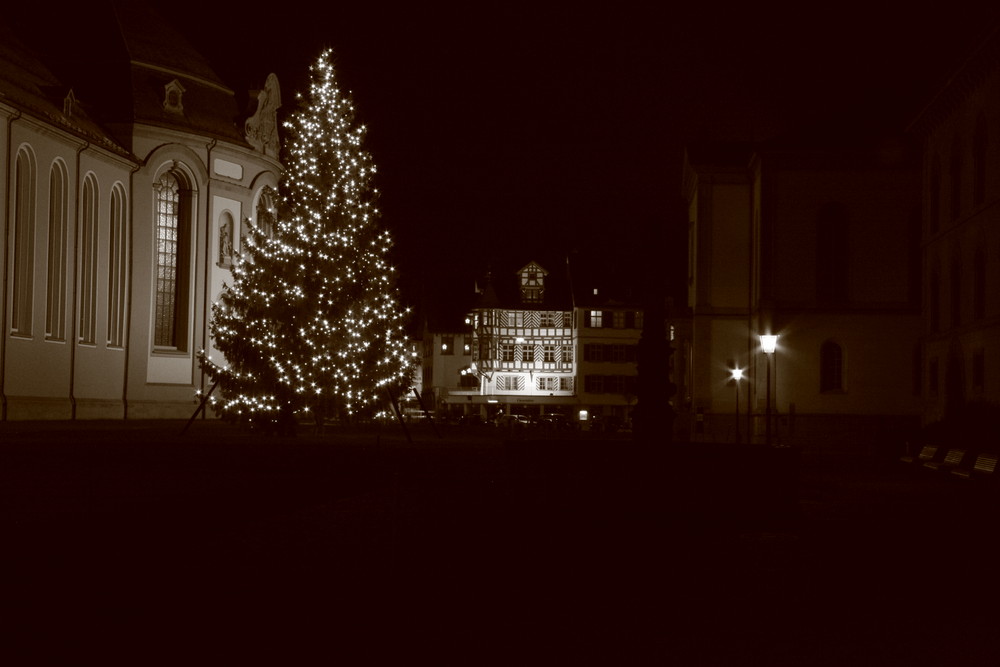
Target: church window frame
[56, 264]
[23, 243]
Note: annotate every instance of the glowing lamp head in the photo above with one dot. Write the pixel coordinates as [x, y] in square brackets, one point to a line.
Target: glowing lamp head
[768, 343]
[737, 374]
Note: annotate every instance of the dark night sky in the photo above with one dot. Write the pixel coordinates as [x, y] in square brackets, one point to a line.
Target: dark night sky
[499, 130]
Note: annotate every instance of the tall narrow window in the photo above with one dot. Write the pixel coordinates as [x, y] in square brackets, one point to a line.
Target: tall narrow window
[170, 321]
[267, 213]
[979, 161]
[117, 268]
[88, 261]
[979, 284]
[831, 367]
[55, 288]
[24, 243]
[831, 254]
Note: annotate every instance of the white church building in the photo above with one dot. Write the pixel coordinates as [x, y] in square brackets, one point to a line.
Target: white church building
[130, 169]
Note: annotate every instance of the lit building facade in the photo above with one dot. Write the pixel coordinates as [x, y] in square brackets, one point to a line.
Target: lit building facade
[128, 187]
[445, 368]
[524, 348]
[817, 244]
[533, 350]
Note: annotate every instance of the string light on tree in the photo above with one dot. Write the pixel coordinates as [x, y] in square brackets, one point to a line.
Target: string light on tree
[312, 317]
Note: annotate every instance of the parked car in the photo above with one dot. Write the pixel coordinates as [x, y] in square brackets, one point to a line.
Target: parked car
[513, 420]
[554, 422]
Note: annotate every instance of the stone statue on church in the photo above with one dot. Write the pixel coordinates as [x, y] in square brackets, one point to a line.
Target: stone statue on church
[261, 128]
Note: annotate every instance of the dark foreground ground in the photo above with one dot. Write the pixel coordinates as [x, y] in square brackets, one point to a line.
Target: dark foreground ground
[134, 544]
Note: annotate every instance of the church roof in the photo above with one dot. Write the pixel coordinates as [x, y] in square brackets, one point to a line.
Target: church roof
[158, 56]
[121, 58]
[29, 85]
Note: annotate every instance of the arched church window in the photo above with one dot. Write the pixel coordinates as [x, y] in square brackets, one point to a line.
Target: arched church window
[88, 261]
[55, 288]
[172, 262]
[24, 243]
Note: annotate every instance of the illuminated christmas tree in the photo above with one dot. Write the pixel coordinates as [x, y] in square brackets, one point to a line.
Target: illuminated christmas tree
[312, 319]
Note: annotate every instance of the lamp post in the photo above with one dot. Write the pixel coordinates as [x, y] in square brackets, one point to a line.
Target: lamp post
[768, 343]
[737, 375]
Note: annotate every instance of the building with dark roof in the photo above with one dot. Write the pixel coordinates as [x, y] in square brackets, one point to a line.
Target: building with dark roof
[534, 344]
[131, 171]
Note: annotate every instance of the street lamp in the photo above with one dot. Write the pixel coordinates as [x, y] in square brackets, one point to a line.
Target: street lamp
[737, 375]
[768, 343]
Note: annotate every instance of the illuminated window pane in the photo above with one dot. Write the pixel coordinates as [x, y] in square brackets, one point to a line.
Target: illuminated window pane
[527, 353]
[167, 221]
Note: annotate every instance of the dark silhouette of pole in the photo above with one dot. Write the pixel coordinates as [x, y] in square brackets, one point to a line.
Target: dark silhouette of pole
[200, 408]
[399, 415]
[767, 404]
[769, 345]
[737, 381]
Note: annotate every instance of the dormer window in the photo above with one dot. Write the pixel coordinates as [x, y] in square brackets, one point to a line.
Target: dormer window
[173, 97]
[532, 283]
[70, 105]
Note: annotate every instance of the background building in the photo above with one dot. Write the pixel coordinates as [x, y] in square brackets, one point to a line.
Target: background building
[815, 241]
[608, 340]
[524, 345]
[960, 134]
[446, 367]
[531, 346]
[130, 170]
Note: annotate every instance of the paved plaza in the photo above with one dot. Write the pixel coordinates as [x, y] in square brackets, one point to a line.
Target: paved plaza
[134, 543]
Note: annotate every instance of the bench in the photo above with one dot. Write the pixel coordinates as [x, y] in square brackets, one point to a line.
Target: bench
[927, 453]
[985, 464]
[952, 459]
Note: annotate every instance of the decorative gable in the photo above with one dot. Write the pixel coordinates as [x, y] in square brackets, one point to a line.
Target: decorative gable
[173, 98]
[532, 278]
[261, 128]
[70, 104]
